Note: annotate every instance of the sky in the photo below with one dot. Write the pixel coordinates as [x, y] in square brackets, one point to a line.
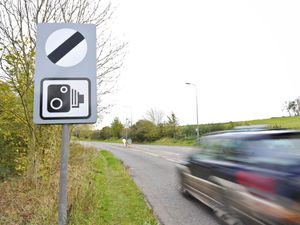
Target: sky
[243, 56]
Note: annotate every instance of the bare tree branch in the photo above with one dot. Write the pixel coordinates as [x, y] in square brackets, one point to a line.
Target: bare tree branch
[156, 116]
[18, 20]
[18, 24]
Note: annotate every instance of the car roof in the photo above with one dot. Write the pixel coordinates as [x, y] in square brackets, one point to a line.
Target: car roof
[257, 134]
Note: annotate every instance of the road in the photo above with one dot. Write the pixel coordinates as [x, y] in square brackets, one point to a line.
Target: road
[153, 169]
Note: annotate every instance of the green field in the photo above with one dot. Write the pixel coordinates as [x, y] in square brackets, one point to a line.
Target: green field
[275, 122]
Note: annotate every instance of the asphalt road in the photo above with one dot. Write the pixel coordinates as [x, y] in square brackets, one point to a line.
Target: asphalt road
[153, 169]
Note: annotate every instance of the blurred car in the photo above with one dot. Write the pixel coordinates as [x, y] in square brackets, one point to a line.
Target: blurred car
[247, 176]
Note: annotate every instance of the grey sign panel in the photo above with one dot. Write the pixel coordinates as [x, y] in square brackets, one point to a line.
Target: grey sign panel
[65, 88]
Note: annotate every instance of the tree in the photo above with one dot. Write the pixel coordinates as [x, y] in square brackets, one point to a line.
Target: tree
[297, 107]
[83, 131]
[287, 108]
[95, 135]
[293, 107]
[173, 120]
[116, 128]
[156, 116]
[18, 20]
[105, 133]
[12, 140]
[144, 130]
[171, 125]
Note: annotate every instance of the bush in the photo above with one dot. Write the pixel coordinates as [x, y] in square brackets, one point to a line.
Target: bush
[105, 133]
[144, 130]
[95, 135]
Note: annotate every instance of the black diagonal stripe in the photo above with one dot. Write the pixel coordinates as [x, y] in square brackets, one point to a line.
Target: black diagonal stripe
[65, 47]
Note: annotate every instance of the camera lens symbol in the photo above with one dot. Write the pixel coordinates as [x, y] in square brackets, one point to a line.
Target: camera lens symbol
[59, 98]
[56, 103]
[64, 89]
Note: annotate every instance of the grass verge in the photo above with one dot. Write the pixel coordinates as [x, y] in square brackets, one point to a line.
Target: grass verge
[111, 140]
[162, 141]
[110, 196]
[100, 191]
[174, 142]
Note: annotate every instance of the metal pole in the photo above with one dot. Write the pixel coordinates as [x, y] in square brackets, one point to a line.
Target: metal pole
[63, 180]
[126, 127]
[197, 129]
[197, 112]
[131, 116]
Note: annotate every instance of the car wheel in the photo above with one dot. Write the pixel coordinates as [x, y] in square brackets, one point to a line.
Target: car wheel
[225, 213]
[185, 193]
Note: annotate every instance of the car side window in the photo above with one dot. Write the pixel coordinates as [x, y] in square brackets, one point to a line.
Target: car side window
[232, 149]
[212, 147]
[273, 151]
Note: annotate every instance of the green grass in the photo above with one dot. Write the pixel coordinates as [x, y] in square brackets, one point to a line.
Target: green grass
[162, 141]
[110, 196]
[173, 142]
[100, 192]
[112, 140]
[277, 122]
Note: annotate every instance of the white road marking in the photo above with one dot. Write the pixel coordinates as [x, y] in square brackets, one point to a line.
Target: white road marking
[145, 152]
[175, 159]
[171, 153]
[160, 156]
[172, 160]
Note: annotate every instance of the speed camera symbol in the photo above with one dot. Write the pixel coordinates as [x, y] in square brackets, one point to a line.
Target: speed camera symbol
[65, 98]
[61, 98]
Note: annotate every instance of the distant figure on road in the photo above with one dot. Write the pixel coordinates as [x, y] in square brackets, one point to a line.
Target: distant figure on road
[124, 142]
[129, 141]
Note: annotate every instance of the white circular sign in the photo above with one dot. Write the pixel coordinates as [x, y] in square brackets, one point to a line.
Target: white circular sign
[66, 47]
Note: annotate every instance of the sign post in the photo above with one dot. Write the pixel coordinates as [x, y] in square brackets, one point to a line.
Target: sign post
[65, 89]
[63, 179]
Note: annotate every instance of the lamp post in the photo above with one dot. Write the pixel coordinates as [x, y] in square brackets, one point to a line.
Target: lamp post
[126, 129]
[197, 129]
[126, 133]
[130, 107]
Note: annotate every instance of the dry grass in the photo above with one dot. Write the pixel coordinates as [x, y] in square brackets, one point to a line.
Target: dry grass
[23, 203]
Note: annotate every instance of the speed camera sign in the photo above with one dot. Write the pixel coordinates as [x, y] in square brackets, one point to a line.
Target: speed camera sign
[65, 77]
[65, 99]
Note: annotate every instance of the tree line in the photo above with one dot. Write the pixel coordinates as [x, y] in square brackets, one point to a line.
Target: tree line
[149, 129]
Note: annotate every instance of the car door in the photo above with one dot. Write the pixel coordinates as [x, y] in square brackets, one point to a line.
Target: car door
[204, 165]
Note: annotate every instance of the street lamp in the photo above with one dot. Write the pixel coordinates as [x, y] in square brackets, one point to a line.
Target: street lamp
[126, 132]
[126, 127]
[197, 129]
[130, 107]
